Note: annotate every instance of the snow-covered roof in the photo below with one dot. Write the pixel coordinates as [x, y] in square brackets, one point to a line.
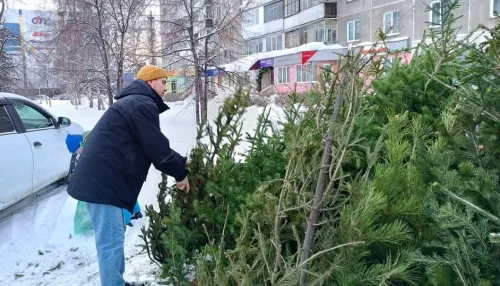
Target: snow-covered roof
[241, 65]
[244, 64]
[478, 37]
[368, 44]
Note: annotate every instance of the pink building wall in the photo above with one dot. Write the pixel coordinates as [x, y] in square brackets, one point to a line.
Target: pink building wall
[293, 85]
[405, 57]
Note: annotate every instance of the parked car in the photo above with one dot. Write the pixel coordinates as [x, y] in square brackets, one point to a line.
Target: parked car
[33, 151]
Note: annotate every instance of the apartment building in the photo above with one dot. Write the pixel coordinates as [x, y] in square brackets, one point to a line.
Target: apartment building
[406, 20]
[212, 28]
[295, 39]
[276, 25]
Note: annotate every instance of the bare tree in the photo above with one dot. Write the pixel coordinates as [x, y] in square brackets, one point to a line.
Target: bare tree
[2, 9]
[100, 37]
[6, 65]
[199, 35]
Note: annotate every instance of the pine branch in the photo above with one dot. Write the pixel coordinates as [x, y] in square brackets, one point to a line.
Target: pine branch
[469, 204]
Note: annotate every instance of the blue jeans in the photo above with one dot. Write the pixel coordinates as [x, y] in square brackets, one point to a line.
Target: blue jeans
[109, 228]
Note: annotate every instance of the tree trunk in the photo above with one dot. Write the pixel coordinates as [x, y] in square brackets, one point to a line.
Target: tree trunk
[91, 98]
[204, 99]
[2, 9]
[103, 50]
[119, 75]
[197, 88]
[100, 104]
[320, 187]
[204, 102]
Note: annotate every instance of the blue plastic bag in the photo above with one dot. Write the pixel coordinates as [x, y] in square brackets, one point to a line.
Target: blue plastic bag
[73, 142]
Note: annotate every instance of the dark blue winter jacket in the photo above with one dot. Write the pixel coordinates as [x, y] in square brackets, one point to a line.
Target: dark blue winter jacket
[120, 149]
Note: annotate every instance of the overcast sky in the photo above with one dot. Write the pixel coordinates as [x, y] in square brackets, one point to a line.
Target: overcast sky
[31, 4]
[51, 5]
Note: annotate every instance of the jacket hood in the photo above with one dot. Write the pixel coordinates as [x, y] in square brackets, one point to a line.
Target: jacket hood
[141, 88]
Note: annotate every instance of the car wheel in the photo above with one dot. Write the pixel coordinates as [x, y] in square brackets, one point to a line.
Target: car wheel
[72, 166]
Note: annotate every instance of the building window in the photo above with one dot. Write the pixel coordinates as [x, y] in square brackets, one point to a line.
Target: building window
[291, 7]
[292, 39]
[253, 17]
[439, 11]
[391, 23]
[274, 43]
[330, 34]
[173, 86]
[354, 30]
[435, 11]
[273, 12]
[306, 4]
[495, 7]
[314, 33]
[307, 73]
[283, 75]
[209, 12]
[254, 47]
[218, 12]
[330, 10]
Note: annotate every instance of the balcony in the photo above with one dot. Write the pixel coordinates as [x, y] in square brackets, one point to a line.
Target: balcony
[263, 29]
[320, 11]
[330, 10]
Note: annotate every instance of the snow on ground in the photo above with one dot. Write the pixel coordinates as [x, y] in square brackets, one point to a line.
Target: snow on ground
[37, 244]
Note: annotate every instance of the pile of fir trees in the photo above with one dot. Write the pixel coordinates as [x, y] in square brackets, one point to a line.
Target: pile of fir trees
[395, 183]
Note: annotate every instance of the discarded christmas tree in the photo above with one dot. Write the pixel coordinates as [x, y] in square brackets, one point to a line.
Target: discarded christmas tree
[220, 183]
[410, 195]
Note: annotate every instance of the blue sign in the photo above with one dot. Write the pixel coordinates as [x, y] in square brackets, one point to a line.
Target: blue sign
[266, 63]
[215, 72]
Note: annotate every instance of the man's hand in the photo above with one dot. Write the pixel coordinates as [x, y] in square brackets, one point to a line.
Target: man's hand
[188, 163]
[183, 185]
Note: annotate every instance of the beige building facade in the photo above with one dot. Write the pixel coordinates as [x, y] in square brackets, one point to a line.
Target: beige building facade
[359, 21]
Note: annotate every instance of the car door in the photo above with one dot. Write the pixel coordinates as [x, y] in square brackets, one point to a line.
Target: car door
[16, 160]
[50, 158]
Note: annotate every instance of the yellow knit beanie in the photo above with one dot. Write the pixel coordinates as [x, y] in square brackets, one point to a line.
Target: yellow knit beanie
[150, 72]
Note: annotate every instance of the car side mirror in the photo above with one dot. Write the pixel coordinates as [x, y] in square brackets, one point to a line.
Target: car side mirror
[63, 122]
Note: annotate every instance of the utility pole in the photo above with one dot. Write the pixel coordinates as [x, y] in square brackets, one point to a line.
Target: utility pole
[152, 38]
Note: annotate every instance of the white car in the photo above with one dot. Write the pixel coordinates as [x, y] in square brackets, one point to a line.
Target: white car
[33, 151]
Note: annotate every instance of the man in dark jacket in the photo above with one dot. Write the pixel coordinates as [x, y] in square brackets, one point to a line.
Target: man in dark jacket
[115, 163]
